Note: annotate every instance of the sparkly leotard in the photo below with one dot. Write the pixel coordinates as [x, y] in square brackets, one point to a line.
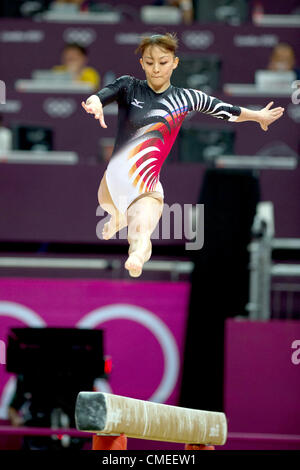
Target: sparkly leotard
[148, 124]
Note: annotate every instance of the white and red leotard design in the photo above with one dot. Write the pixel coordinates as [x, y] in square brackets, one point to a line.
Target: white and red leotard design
[148, 124]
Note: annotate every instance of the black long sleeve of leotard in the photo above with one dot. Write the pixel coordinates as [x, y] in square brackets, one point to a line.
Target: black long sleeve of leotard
[115, 90]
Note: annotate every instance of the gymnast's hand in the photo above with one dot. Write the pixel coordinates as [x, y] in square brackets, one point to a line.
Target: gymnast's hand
[267, 115]
[93, 105]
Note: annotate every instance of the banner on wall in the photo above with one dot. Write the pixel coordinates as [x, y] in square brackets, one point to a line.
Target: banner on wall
[144, 328]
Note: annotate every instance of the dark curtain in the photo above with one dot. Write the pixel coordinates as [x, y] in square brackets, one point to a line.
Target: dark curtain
[220, 282]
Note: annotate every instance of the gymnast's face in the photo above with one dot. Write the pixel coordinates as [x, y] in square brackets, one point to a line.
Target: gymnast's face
[158, 65]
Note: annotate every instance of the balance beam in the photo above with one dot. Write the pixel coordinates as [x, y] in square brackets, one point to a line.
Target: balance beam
[109, 414]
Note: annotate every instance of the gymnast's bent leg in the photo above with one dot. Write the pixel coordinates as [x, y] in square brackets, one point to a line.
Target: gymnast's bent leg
[117, 220]
[143, 216]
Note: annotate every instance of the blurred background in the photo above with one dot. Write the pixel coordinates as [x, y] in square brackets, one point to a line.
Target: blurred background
[216, 328]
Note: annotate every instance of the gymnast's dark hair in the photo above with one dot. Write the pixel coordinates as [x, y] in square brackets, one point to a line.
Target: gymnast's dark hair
[166, 41]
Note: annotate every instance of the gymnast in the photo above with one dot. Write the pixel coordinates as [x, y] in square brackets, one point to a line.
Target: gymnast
[150, 114]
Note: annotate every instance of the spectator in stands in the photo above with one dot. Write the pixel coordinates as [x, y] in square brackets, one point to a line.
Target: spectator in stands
[74, 60]
[5, 137]
[186, 7]
[283, 59]
[75, 2]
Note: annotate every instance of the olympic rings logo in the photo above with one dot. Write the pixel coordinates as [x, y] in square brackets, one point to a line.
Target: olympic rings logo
[95, 318]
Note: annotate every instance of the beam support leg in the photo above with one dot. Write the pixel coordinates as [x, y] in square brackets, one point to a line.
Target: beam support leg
[198, 447]
[101, 442]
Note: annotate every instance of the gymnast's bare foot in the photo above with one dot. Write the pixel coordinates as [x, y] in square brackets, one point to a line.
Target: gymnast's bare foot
[138, 258]
[134, 265]
[112, 227]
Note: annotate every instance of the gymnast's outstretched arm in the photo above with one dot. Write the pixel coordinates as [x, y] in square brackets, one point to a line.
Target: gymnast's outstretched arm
[94, 106]
[264, 117]
[112, 92]
[200, 101]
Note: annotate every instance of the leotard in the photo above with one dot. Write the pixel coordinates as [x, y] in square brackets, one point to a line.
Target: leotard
[148, 124]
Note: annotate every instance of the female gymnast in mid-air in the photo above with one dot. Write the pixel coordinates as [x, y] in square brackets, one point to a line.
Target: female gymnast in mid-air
[151, 112]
